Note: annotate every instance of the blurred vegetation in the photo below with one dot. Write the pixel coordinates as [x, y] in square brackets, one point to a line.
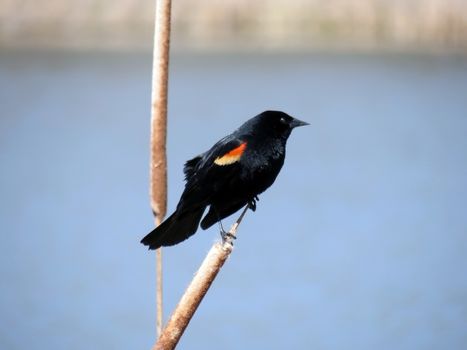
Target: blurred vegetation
[239, 24]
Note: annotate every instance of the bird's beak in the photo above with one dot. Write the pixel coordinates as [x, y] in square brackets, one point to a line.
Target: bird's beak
[295, 123]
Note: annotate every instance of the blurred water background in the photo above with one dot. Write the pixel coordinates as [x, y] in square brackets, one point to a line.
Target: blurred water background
[361, 243]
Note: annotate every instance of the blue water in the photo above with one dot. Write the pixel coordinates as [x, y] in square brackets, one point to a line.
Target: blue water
[360, 244]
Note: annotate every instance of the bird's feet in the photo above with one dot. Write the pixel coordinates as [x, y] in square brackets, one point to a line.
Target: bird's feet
[227, 236]
[252, 203]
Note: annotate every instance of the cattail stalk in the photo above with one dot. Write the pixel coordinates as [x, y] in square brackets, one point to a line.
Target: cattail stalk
[158, 167]
[197, 289]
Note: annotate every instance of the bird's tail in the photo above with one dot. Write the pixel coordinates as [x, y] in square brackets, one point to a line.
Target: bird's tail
[175, 229]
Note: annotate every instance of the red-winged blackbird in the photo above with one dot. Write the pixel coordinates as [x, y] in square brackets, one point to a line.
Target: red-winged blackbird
[227, 177]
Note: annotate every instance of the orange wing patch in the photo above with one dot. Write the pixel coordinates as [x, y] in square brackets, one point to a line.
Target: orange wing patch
[232, 156]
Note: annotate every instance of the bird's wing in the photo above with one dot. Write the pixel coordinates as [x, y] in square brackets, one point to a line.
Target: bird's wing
[207, 172]
[227, 151]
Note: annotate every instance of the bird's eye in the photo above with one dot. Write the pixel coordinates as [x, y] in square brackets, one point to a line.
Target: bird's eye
[283, 121]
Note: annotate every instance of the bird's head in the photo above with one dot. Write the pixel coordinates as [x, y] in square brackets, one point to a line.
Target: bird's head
[278, 124]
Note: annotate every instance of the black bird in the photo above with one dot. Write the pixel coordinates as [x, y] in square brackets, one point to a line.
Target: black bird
[227, 177]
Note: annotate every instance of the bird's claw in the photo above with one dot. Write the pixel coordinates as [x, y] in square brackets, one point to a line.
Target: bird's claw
[252, 203]
[230, 235]
[227, 236]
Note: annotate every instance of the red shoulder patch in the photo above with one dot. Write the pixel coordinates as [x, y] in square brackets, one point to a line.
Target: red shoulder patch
[231, 156]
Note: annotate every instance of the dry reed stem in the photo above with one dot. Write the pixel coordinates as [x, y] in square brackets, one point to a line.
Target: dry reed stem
[158, 168]
[197, 289]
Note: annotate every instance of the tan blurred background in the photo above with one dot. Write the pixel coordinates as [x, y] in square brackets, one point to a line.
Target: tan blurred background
[239, 24]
